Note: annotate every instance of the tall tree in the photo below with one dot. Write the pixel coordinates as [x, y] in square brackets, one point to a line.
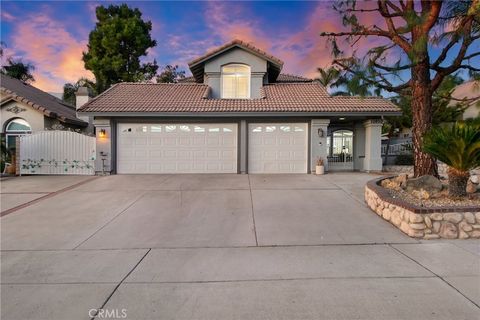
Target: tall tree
[69, 89]
[170, 74]
[18, 69]
[116, 44]
[412, 28]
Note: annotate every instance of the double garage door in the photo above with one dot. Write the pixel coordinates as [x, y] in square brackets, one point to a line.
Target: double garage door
[210, 148]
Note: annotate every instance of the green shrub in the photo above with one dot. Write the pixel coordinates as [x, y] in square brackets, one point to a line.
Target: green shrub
[458, 146]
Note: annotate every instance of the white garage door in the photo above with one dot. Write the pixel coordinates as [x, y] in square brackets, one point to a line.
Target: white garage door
[176, 148]
[277, 148]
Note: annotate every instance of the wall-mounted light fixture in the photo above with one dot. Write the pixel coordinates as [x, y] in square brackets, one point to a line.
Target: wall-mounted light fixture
[320, 132]
[102, 133]
[341, 118]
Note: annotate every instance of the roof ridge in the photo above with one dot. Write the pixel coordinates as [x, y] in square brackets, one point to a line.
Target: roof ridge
[161, 83]
[295, 75]
[232, 43]
[363, 97]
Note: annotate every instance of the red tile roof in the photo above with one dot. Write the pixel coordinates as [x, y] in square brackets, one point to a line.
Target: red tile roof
[237, 43]
[39, 100]
[194, 98]
[285, 77]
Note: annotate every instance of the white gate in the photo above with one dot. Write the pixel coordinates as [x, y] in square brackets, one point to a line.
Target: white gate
[57, 152]
[340, 146]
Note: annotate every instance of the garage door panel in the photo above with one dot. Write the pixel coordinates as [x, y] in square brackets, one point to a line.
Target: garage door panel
[277, 148]
[177, 148]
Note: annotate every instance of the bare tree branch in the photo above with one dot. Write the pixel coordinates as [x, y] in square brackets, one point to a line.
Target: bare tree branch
[470, 56]
[457, 62]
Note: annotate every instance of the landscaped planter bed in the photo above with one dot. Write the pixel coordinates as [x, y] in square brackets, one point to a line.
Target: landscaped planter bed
[421, 222]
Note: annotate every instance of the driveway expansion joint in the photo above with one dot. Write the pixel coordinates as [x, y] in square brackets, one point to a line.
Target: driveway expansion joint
[109, 221]
[46, 196]
[253, 211]
[436, 275]
[120, 283]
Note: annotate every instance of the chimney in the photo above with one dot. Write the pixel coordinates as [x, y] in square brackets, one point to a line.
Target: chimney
[82, 96]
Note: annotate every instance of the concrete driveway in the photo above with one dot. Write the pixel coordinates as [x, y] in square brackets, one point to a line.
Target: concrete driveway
[225, 247]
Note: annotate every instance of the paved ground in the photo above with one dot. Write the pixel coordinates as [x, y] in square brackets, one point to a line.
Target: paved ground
[223, 247]
[16, 191]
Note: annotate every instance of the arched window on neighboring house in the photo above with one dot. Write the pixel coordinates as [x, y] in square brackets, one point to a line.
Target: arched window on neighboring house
[235, 81]
[15, 128]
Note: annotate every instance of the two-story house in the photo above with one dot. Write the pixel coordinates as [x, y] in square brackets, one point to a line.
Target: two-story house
[237, 114]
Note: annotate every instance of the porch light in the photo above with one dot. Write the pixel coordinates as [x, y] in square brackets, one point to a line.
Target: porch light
[102, 133]
[320, 133]
[341, 118]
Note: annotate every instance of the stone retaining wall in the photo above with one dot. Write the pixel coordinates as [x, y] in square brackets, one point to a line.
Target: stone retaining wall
[423, 223]
[442, 169]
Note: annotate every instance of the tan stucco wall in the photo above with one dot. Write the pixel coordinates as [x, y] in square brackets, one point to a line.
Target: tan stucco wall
[35, 118]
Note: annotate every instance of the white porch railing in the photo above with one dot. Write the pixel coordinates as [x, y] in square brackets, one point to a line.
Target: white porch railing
[57, 152]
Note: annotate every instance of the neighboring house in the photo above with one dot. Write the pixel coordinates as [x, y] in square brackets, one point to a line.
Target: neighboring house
[468, 90]
[26, 109]
[237, 114]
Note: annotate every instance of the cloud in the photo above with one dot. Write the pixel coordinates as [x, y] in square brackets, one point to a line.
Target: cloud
[55, 53]
[7, 16]
[302, 51]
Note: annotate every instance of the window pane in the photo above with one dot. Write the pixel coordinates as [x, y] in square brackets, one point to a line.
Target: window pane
[199, 129]
[156, 129]
[270, 129]
[18, 125]
[170, 128]
[235, 81]
[228, 86]
[11, 142]
[242, 87]
[228, 69]
[298, 129]
[185, 128]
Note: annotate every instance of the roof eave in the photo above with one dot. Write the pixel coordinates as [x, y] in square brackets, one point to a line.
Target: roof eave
[243, 114]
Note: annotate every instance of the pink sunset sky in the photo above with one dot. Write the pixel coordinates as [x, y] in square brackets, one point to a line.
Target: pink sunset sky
[52, 35]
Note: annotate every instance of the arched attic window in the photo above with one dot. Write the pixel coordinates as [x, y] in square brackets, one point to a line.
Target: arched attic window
[235, 81]
[14, 128]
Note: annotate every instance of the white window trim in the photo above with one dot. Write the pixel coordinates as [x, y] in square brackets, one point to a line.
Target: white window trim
[15, 133]
[249, 79]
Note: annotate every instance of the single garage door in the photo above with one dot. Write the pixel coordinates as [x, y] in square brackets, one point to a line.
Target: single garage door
[277, 147]
[176, 148]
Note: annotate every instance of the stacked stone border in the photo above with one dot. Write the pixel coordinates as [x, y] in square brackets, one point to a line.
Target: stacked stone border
[420, 222]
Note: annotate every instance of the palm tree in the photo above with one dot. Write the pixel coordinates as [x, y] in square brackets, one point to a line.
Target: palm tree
[458, 146]
[328, 76]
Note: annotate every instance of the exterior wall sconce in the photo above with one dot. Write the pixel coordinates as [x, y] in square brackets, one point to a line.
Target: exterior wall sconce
[102, 133]
[320, 133]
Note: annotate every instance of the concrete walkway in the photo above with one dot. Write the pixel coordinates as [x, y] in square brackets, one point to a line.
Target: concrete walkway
[225, 247]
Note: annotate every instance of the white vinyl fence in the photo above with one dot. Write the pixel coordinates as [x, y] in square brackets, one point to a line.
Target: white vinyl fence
[57, 152]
